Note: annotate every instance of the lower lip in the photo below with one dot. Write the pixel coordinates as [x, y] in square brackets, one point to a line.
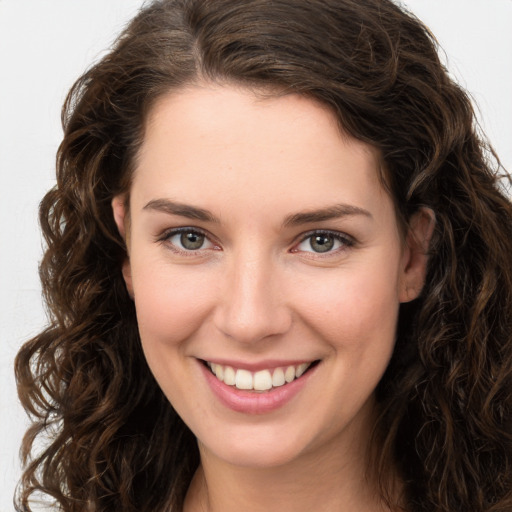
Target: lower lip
[253, 402]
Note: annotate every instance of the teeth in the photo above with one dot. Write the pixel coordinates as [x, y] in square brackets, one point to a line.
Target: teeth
[278, 377]
[301, 369]
[229, 376]
[243, 379]
[219, 371]
[289, 374]
[262, 380]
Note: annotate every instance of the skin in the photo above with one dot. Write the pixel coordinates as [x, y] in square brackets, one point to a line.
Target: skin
[257, 290]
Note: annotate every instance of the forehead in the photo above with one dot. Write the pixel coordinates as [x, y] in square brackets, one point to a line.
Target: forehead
[207, 140]
[202, 111]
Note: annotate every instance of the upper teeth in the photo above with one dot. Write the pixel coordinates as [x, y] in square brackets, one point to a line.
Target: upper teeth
[262, 380]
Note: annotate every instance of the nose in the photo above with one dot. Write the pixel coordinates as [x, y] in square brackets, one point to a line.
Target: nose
[252, 306]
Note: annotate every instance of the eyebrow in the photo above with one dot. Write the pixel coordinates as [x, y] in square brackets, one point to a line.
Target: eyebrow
[329, 213]
[195, 213]
[181, 209]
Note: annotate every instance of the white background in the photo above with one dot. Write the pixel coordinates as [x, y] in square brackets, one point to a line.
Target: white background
[45, 46]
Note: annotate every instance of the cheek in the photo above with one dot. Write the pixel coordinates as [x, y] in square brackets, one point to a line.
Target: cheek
[171, 303]
[356, 309]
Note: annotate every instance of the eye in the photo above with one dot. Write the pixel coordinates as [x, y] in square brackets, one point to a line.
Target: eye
[187, 240]
[323, 242]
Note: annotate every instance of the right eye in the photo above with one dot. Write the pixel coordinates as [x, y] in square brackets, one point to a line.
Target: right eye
[185, 240]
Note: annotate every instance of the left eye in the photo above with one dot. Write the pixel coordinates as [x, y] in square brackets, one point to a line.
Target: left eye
[188, 240]
[320, 242]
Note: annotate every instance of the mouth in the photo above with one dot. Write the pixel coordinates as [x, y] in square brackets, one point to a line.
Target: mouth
[261, 381]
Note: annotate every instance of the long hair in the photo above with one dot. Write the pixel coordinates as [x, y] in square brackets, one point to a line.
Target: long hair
[110, 439]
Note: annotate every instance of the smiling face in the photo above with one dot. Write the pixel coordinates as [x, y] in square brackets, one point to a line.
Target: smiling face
[263, 248]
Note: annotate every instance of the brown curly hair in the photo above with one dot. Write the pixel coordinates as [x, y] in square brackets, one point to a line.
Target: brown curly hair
[111, 439]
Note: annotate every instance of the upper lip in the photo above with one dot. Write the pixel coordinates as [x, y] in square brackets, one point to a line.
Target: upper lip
[267, 364]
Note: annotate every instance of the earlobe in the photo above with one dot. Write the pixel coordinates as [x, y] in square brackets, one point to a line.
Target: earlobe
[414, 269]
[120, 212]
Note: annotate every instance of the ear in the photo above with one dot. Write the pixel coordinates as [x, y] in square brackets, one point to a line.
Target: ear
[120, 211]
[121, 217]
[414, 268]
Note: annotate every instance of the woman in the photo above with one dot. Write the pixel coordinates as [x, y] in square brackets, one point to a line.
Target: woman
[279, 272]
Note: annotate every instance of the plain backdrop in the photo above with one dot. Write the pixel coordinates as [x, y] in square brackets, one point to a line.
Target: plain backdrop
[45, 46]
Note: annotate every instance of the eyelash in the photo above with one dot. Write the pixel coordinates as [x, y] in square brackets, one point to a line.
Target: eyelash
[344, 240]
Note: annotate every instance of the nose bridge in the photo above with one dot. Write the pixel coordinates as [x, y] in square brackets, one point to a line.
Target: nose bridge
[252, 305]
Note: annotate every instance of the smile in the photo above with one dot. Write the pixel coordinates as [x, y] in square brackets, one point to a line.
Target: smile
[262, 380]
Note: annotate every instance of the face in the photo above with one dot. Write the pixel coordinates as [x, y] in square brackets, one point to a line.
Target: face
[267, 269]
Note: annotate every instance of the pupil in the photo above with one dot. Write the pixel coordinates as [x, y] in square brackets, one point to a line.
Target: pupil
[322, 243]
[191, 241]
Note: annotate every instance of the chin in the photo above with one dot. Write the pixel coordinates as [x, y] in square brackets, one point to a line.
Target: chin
[264, 447]
[258, 456]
